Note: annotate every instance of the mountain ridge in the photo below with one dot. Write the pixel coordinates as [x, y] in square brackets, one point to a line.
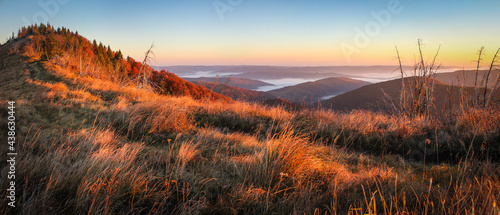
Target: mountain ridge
[374, 97]
[309, 92]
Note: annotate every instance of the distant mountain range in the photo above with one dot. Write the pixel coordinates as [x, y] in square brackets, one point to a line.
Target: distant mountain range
[304, 93]
[241, 94]
[279, 72]
[339, 82]
[314, 91]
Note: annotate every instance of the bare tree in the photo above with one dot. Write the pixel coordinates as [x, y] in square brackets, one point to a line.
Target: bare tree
[487, 78]
[403, 88]
[144, 71]
[476, 94]
[142, 79]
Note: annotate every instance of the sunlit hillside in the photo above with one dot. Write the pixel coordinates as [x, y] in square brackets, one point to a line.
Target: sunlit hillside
[101, 134]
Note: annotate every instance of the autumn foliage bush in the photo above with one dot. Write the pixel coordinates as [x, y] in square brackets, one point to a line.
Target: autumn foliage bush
[171, 84]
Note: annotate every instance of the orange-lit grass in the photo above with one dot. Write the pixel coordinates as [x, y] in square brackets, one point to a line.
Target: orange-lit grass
[149, 117]
[282, 173]
[277, 166]
[59, 91]
[479, 121]
[267, 175]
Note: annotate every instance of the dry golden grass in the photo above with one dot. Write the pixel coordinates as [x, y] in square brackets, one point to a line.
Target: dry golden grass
[150, 117]
[187, 153]
[92, 146]
[479, 121]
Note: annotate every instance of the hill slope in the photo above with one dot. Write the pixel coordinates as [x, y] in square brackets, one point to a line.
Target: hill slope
[234, 82]
[171, 84]
[285, 104]
[372, 97]
[313, 91]
[236, 93]
[468, 78]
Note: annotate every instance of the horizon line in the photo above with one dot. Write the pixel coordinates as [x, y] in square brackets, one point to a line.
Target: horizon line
[306, 66]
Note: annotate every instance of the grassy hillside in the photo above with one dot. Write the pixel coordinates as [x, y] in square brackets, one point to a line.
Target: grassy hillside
[89, 144]
[313, 91]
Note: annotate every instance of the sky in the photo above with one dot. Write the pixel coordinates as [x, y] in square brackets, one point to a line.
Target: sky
[278, 32]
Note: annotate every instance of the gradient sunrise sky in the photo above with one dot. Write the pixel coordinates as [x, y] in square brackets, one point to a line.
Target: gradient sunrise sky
[278, 32]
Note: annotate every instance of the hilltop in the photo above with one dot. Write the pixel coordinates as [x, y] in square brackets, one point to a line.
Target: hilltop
[91, 139]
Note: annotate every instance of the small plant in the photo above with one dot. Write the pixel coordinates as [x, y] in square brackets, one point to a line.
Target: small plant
[417, 91]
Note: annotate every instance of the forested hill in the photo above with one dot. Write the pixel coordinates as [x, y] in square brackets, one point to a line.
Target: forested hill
[99, 61]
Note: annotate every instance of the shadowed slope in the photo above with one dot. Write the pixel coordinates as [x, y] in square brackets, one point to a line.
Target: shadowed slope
[313, 91]
[372, 97]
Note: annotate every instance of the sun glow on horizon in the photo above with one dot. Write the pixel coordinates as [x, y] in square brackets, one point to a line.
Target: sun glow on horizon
[259, 32]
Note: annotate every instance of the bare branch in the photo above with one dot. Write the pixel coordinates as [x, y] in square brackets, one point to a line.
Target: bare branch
[403, 88]
[487, 77]
[475, 99]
